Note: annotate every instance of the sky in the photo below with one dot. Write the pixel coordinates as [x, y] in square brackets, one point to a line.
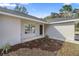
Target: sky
[41, 10]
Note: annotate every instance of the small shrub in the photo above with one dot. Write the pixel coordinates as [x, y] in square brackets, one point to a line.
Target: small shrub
[6, 48]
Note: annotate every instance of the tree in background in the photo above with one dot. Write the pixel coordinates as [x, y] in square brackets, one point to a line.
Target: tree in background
[54, 15]
[61, 10]
[76, 12]
[20, 8]
[67, 10]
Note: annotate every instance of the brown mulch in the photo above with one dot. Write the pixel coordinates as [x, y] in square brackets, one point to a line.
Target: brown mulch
[43, 43]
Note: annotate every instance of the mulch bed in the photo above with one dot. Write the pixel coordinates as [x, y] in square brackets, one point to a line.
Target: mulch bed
[43, 43]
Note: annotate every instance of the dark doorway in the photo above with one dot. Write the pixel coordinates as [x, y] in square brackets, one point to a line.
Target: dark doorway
[41, 29]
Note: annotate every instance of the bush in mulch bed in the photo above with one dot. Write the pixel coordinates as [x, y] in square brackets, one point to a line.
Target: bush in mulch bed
[43, 43]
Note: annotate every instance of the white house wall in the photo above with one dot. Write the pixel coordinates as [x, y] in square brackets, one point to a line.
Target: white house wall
[62, 31]
[10, 30]
[29, 36]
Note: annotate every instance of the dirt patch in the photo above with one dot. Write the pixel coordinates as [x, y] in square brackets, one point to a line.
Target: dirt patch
[44, 47]
[30, 52]
[44, 44]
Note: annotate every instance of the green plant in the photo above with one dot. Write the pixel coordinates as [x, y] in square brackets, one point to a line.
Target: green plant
[5, 48]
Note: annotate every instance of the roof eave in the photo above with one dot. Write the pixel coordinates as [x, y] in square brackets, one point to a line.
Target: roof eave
[9, 14]
[72, 20]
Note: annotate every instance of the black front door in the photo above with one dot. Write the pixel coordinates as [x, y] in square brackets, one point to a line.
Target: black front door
[41, 29]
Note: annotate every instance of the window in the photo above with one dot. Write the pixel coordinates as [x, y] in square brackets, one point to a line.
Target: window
[32, 29]
[29, 28]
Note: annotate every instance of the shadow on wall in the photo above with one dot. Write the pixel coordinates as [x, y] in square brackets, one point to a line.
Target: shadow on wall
[54, 33]
[56, 36]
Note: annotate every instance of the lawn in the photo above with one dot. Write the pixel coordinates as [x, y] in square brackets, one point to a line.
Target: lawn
[44, 47]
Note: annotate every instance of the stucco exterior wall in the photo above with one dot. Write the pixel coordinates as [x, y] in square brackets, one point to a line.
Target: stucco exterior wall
[63, 31]
[10, 30]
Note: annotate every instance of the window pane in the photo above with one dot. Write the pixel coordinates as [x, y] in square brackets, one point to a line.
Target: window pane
[29, 28]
